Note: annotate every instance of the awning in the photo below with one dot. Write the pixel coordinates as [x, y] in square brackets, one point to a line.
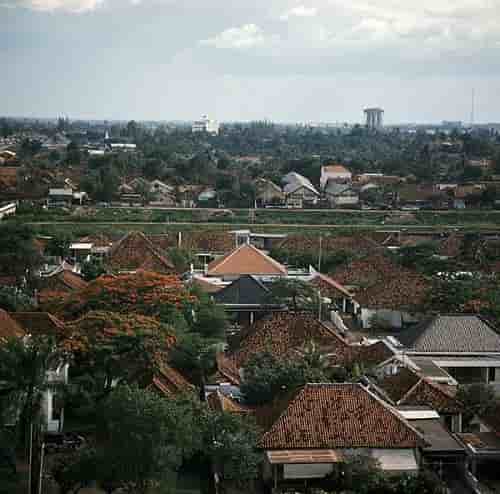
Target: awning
[306, 456]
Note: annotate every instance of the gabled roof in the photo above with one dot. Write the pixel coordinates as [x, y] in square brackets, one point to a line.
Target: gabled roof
[135, 251]
[329, 287]
[383, 284]
[334, 169]
[38, 323]
[451, 334]
[246, 290]
[339, 416]
[9, 328]
[217, 401]
[169, 381]
[409, 388]
[284, 333]
[246, 259]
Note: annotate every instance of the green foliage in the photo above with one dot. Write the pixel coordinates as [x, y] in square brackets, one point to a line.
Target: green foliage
[478, 399]
[58, 246]
[159, 434]
[329, 261]
[194, 356]
[232, 447]
[297, 294]
[266, 376]
[92, 269]
[14, 300]
[181, 259]
[18, 255]
[210, 320]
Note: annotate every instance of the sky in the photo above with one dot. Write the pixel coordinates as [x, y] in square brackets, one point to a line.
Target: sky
[282, 60]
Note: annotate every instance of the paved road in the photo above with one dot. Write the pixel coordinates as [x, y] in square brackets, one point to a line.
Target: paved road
[360, 226]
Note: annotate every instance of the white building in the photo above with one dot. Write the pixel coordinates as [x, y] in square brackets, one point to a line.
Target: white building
[336, 173]
[207, 125]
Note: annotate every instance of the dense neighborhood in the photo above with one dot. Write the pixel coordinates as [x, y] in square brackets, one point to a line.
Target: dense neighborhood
[227, 352]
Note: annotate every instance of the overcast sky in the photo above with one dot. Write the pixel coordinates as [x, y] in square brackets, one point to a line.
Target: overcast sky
[284, 60]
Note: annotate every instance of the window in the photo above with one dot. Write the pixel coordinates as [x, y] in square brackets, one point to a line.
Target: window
[491, 374]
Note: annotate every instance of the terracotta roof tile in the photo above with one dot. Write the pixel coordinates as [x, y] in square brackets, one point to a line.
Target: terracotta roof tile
[338, 416]
[9, 327]
[283, 333]
[409, 388]
[133, 252]
[38, 322]
[246, 259]
[219, 402]
[381, 283]
[169, 381]
[329, 287]
[355, 244]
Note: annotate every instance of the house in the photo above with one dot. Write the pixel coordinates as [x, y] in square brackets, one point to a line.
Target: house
[7, 210]
[384, 293]
[324, 425]
[207, 195]
[340, 194]
[465, 346]
[22, 326]
[65, 197]
[267, 192]
[162, 193]
[299, 191]
[284, 335]
[245, 259]
[482, 445]
[404, 386]
[335, 173]
[246, 300]
[58, 283]
[443, 452]
[136, 252]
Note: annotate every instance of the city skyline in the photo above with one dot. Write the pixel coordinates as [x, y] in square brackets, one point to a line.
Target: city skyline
[283, 60]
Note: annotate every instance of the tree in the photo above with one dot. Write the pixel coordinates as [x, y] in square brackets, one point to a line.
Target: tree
[181, 259]
[231, 445]
[73, 153]
[14, 300]
[158, 433]
[210, 319]
[478, 399]
[295, 292]
[266, 377]
[92, 269]
[58, 246]
[18, 254]
[109, 349]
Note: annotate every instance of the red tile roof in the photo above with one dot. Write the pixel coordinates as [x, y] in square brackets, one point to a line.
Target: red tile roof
[9, 327]
[409, 388]
[169, 381]
[329, 287]
[219, 402]
[245, 259]
[379, 283]
[284, 333]
[324, 416]
[133, 252]
[38, 322]
[355, 244]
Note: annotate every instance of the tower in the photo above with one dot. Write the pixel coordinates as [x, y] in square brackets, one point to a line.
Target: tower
[374, 118]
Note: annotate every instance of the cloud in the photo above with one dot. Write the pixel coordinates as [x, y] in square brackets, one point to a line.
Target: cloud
[299, 11]
[246, 36]
[73, 6]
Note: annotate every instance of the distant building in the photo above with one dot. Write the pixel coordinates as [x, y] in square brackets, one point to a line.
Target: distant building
[207, 125]
[337, 173]
[374, 118]
[7, 210]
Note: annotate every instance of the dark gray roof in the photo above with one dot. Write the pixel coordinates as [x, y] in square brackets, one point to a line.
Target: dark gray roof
[438, 438]
[451, 334]
[246, 290]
